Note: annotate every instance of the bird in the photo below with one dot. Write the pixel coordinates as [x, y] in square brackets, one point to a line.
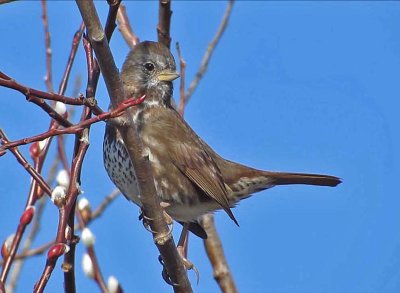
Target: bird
[190, 178]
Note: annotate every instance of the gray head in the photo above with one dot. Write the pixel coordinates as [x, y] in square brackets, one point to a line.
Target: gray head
[149, 66]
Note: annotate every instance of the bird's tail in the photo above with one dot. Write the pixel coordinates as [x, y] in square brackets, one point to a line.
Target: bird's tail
[257, 180]
[283, 178]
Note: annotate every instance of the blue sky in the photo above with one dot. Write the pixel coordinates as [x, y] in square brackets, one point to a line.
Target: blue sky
[293, 86]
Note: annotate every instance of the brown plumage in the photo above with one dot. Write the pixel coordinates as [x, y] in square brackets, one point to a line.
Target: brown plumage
[188, 175]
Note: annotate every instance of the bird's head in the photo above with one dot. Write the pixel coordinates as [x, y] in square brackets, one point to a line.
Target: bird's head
[149, 69]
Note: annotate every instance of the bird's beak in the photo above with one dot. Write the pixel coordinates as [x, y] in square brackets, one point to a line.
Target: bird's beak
[167, 75]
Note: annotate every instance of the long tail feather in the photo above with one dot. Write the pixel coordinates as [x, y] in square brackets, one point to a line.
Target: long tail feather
[282, 178]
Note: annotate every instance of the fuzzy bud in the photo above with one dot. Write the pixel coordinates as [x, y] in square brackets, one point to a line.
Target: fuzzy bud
[84, 209]
[83, 204]
[87, 237]
[63, 178]
[42, 144]
[87, 266]
[58, 196]
[5, 248]
[113, 285]
[60, 108]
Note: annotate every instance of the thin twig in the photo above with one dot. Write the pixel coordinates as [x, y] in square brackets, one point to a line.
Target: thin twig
[62, 88]
[8, 82]
[49, 110]
[81, 146]
[104, 204]
[74, 48]
[28, 167]
[26, 251]
[40, 156]
[65, 230]
[111, 18]
[164, 22]
[74, 128]
[182, 66]
[48, 77]
[29, 210]
[215, 252]
[31, 252]
[125, 28]
[210, 49]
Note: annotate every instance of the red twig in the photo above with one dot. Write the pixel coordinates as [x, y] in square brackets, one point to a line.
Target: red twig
[63, 86]
[74, 128]
[29, 211]
[32, 252]
[65, 231]
[38, 154]
[81, 146]
[74, 48]
[21, 159]
[8, 82]
[93, 70]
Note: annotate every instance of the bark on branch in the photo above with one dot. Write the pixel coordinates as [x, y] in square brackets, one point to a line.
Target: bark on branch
[151, 204]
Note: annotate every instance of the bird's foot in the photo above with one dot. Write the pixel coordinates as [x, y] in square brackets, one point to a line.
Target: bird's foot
[146, 220]
[187, 263]
[167, 218]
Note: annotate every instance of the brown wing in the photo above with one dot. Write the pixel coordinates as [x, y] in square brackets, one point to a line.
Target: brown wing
[200, 168]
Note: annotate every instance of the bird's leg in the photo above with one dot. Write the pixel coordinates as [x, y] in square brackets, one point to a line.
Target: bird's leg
[183, 250]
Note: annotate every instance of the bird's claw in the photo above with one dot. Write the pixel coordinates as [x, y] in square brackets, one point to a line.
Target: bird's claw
[164, 272]
[145, 221]
[167, 218]
[188, 266]
[187, 263]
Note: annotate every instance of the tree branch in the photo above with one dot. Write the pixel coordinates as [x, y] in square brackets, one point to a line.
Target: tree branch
[151, 204]
[215, 252]
[164, 22]
[125, 27]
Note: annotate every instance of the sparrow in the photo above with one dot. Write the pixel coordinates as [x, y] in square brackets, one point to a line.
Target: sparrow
[190, 178]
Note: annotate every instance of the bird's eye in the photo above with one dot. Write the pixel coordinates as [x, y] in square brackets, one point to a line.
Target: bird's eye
[149, 66]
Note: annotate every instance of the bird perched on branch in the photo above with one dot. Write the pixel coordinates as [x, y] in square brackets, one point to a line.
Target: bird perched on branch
[189, 176]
